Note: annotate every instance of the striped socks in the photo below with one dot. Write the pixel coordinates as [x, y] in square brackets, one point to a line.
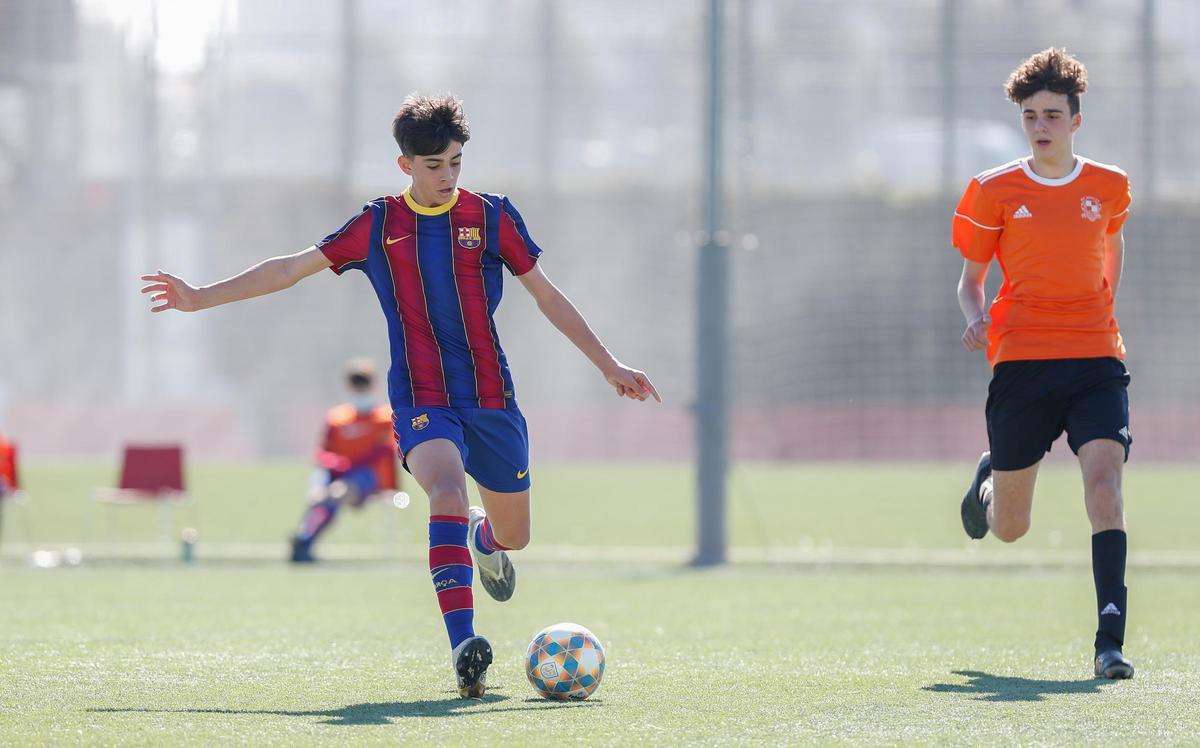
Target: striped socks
[485, 541]
[316, 518]
[450, 567]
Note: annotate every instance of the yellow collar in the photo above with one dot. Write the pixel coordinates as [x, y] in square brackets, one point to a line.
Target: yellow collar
[437, 210]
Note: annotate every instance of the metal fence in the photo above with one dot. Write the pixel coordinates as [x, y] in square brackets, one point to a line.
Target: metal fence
[204, 137]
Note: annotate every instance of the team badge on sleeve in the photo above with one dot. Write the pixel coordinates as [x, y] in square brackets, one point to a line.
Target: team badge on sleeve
[420, 422]
[468, 237]
[1090, 207]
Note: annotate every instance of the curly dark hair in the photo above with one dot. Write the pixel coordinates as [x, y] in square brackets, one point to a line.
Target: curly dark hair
[425, 125]
[1049, 70]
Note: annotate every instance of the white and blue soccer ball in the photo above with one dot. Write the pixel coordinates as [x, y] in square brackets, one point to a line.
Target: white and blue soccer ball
[565, 661]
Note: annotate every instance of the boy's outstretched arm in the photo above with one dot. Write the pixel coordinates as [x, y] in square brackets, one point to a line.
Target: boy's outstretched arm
[563, 315]
[268, 276]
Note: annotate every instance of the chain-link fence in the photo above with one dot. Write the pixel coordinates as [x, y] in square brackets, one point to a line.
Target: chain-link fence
[204, 137]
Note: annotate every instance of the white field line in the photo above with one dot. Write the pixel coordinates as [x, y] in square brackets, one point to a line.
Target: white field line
[778, 556]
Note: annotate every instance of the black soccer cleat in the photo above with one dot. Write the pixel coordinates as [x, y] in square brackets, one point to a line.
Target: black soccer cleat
[471, 659]
[1113, 665]
[302, 551]
[974, 511]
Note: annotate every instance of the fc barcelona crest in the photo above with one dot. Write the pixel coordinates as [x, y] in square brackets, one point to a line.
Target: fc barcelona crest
[468, 237]
[421, 422]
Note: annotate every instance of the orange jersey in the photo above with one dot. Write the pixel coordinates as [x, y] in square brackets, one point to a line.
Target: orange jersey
[356, 436]
[8, 466]
[1049, 236]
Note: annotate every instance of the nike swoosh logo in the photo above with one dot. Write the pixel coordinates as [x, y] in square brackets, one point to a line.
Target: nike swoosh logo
[521, 473]
[391, 241]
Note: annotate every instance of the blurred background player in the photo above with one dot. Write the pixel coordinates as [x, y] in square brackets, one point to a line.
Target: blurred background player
[8, 467]
[435, 255]
[356, 459]
[8, 474]
[1054, 221]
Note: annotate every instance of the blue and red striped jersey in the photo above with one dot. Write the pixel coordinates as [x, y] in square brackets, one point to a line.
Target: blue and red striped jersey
[437, 272]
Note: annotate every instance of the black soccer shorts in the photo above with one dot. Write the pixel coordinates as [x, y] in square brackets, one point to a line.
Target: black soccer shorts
[1031, 403]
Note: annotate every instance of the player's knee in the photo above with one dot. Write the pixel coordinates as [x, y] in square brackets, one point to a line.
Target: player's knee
[1103, 492]
[317, 494]
[448, 498]
[513, 538]
[338, 490]
[1010, 529]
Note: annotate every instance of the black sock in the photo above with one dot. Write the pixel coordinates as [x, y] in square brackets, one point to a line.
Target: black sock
[1108, 571]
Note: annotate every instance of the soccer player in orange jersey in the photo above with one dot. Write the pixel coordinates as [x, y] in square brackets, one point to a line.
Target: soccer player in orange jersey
[8, 472]
[356, 458]
[8, 467]
[1053, 221]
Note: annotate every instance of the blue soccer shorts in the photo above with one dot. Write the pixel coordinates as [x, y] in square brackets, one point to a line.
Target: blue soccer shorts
[493, 442]
[364, 481]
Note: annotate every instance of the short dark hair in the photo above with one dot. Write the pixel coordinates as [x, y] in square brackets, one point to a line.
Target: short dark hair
[425, 125]
[1050, 70]
[360, 373]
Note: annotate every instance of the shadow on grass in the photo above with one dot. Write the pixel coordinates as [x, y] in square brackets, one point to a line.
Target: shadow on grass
[381, 713]
[988, 687]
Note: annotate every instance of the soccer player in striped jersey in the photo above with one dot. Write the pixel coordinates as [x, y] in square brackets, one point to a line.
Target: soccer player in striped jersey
[1053, 220]
[435, 255]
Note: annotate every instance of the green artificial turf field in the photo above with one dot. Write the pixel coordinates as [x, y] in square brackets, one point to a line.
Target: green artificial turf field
[877, 625]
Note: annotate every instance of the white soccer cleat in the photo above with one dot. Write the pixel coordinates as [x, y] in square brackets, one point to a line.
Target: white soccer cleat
[496, 572]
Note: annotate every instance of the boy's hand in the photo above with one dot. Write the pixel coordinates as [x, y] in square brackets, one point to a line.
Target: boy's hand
[975, 336]
[333, 462]
[171, 293]
[631, 383]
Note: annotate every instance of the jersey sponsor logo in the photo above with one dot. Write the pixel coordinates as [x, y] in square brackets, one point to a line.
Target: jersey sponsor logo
[1022, 212]
[469, 237]
[522, 473]
[1111, 610]
[390, 241]
[1090, 207]
[421, 422]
